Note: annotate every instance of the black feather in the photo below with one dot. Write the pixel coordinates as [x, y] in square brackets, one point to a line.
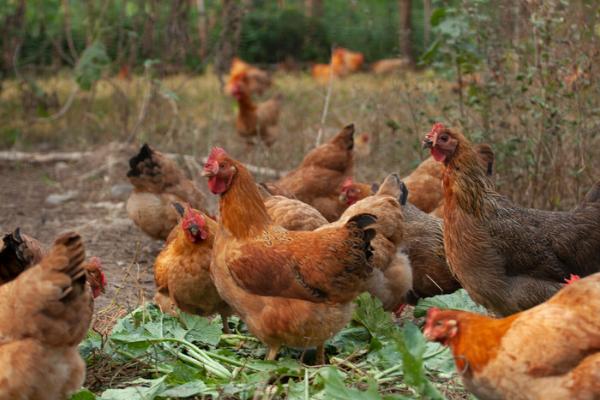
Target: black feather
[363, 220]
[179, 208]
[144, 154]
[403, 194]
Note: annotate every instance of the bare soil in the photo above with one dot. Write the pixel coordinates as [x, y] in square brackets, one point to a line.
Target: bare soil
[95, 211]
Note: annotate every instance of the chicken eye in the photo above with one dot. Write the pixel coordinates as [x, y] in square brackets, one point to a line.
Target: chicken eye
[221, 165]
[444, 138]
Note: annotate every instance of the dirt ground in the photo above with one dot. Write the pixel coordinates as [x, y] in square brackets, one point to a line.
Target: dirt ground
[98, 191]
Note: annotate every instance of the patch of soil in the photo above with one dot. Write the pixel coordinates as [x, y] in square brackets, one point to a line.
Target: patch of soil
[96, 211]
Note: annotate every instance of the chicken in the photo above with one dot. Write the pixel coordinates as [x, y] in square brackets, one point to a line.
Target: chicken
[390, 65]
[257, 80]
[291, 214]
[355, 191]
[21, 252]
[18, 253]
[423, 241]
[291, 288]
[318, 179]
[391, 280]
[425, 182]
[182, 269]
[342, 63]
[362, 145]
[507, 257]
[45, 313]
[353, 60]
[335, 69]
[256, 119]
[158, 182]
[549, 352]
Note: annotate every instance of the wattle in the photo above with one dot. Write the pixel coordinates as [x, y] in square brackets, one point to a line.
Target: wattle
[437, 155]
[216, 185]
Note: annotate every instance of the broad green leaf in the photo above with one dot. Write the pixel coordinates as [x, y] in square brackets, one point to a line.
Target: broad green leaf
[458, 300]
[200, 329]
[372, 316]
[143, 389]
[83, 394]
[186, 390]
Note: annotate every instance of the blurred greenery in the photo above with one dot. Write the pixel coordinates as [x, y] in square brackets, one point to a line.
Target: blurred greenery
[55, 33]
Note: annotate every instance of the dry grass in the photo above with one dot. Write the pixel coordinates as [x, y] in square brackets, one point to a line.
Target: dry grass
[189, 114]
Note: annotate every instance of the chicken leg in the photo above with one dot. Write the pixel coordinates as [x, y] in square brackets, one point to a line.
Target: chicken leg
[272, 353]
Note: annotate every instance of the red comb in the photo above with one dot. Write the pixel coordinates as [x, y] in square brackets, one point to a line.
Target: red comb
[347, 182]
[216, 152]
[96, 261]
[432, 312]
[572, 279]
[436, 129]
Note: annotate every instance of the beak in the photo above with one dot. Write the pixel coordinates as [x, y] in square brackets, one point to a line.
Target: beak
[210, 170]
[194, 229]
[343, 198]
[427, 143]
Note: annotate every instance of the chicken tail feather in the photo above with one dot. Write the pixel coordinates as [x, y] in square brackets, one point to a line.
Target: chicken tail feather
[13, 260]
[142, 162]
[70, 246]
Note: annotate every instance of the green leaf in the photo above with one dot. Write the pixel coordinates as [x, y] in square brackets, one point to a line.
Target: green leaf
[83, 394]
[370, 313]
[89, 68]
[144, 389]
[200, 329]
[336, 389]
[186, 390]
[458, 300]
[92, 342]
[437, 16]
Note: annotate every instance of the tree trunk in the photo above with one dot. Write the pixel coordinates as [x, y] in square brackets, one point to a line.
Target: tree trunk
[426, 22]
[230, 37]
[202, 28]
[404, 8]
[68, 33]
[11, 30]
[314, 8]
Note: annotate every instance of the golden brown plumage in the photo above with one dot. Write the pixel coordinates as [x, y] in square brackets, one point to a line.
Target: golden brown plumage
[44, 314]
[391, 279]
[158, 182]
[256, 120]
[352, 191]
[507, 257]
[291, 288]
[425, 182]
[21, 252]
[292, 214]
[257, 80]
[390, 65]
[551, 351]
[182, 269]
[318, 179]
[342, 63]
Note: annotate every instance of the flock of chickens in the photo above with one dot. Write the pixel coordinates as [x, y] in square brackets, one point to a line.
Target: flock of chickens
[260, 119]
[290, 256]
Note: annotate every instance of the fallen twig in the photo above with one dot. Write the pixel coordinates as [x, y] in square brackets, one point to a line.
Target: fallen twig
[43, 157]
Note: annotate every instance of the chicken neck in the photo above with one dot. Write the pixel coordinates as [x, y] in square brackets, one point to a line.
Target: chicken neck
[242, 210]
